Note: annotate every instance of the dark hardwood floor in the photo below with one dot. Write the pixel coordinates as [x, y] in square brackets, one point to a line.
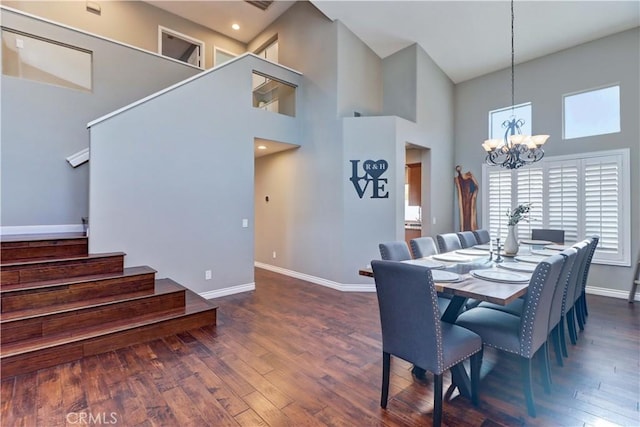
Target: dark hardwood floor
[296, 354]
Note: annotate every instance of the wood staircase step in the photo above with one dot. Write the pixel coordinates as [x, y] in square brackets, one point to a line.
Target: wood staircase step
[42, 246]
[53, 293]
[34, 323]
[27, 356]
[50, 269]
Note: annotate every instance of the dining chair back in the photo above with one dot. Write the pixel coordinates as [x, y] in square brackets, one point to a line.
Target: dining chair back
[555, 236]
[448, 242]
[394, 251]
[581, 297]
[574, 286]
[467, 239]
[412, 329]
[523, 335]
[558, 302]
[482, 236]
[422, 247]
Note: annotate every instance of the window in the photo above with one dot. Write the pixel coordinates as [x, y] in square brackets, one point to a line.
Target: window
[35, 58]
[220, 56]
[590, 113]
[582, 194]
[498, 117]
[270, 52]
[180, 46]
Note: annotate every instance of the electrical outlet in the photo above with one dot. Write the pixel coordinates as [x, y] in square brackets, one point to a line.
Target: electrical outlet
[207, 275]
[245, 223]
[274, 254]
[434, 220]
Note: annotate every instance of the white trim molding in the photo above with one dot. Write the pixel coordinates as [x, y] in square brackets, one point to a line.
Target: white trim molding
[228, 291]
[79, 158]
[342, 287]
[41, 229]
[611, 293]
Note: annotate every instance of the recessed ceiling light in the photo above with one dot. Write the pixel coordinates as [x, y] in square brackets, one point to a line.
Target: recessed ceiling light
[262, 147]
[235, 27]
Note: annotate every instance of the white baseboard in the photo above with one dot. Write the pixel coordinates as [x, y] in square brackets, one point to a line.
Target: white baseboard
[41, 229]
[611, 293]
[228, 291]
[343, 287]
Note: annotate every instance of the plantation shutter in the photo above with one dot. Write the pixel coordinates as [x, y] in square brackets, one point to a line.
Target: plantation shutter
[499, 201]
[529, 190]
[602, 202]
[562, 198]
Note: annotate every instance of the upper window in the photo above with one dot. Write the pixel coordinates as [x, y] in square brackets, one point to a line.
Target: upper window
[35, 58]
[582, 194]
[220, 56]
[593, 112]
[498, 117]
[180, 46]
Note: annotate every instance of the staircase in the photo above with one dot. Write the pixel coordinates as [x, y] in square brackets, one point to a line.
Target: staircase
[59, 303]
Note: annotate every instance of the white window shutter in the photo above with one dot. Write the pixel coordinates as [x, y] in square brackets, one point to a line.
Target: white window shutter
[499, 201]
[602, 207]
[529, 189]
[563, 198]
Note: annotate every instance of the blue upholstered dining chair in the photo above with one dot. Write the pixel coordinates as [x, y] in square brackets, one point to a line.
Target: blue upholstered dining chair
[523, 335]
[582, 310]
[448, 242]
[556, 328]
[422, 247]
[568, 314]
[412, 329]
[394, 251]
[467, 239]
[482, 236]
[555, 236]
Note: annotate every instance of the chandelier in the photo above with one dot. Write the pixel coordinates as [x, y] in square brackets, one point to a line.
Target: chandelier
[514, 150]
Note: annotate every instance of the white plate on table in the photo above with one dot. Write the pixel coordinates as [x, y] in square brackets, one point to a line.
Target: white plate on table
[557, 247]
[524, 267]
[533, 259]
[445, 276]
[535, 242]
[425, 262]
[500, 276]
[543, 252]
[452, 257]
[483, 247]
[472, 252]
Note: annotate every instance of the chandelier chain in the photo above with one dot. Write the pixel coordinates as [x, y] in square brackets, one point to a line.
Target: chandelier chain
[513, 55]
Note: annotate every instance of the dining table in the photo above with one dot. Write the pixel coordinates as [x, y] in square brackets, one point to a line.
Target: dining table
[481, 275]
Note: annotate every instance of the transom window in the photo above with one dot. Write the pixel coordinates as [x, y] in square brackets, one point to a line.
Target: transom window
[590, 113]
[582, 194]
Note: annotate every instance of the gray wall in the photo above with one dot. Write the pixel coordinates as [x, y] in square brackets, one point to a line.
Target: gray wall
[359, 76]
[43, 124]
[323, 231]
[613, 59]
[307, 237]
[132, 22]
[415, 87]
[172, 178]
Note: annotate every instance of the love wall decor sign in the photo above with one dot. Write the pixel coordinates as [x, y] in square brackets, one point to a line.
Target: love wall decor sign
[372, 172]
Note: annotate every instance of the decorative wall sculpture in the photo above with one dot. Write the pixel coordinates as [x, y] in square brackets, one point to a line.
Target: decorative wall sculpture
[467, 193]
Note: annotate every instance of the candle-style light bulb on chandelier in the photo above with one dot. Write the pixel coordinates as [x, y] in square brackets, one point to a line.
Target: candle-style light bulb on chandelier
[515, 149]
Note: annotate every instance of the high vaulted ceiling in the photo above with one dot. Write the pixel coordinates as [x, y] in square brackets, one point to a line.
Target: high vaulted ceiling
[465, 38]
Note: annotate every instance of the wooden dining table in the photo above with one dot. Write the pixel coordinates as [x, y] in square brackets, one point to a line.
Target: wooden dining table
[471, 287]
